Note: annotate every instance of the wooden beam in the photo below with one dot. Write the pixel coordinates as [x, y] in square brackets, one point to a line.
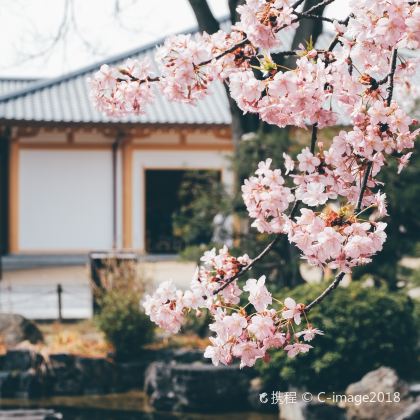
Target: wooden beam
[127, 193]
[184, 147]
[14, 197]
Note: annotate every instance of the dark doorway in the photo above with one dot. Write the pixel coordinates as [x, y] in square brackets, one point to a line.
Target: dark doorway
[162, 202]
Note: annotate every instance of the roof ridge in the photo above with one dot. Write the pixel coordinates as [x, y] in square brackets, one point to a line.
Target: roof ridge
[20, 79]
[86, 69]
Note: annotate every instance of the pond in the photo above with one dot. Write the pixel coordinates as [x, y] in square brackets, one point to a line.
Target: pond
[127, 406]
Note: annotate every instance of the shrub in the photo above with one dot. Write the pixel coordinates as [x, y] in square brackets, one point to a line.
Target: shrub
[120, 317]
[365, 328]
[124, 324]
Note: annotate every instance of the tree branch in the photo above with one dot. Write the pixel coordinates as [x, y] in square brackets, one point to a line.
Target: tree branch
[314, 137]
[326, 292]
[341, 275]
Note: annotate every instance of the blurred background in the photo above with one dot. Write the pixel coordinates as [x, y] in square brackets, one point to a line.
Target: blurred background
[96, 212]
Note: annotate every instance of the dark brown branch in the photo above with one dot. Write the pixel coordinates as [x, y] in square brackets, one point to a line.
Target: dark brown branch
[391, 74]
[240, 273]
[260, 256]
[314, 137]
[326, 292]
[363, 187]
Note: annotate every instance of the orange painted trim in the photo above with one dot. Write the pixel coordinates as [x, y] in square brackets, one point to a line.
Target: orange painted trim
[14, 197]
[65, 146]
[127, 194]
[184, 147]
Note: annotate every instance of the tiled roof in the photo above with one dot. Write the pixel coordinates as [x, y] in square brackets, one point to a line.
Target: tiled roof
[65, 99]
[9, 84]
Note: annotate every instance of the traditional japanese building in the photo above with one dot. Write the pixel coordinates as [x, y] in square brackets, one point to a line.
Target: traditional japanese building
[73, 180]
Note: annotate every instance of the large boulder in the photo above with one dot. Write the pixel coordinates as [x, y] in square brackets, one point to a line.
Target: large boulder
[99, 374]
[67, 378]
[382, 382]
[15, 328]
[196, 387]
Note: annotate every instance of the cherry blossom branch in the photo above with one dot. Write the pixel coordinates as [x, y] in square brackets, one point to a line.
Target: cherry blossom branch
[240, 273]
[390, 90]
[245, 41]
[260, 256]
[341, 275]
[319, 17]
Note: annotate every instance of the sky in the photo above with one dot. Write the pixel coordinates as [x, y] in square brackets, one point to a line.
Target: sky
[93, 30]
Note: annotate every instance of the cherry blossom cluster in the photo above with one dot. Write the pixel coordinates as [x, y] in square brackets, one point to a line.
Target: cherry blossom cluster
[249, 337]
[335, 220]
[124, 91]
[336, 239]
[244, 332]
[262, 21]
[385, 24]
[266, 198]
[182, 79]
[168, 306]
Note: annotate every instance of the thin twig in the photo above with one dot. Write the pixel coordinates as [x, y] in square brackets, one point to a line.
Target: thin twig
[317, 6]
[326, 292]
[305, 15]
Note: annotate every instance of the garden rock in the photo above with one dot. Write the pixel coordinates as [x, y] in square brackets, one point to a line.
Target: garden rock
[22, 360]
[382, 380]
[67, 378]
[15, 328]
[196, 387]
[98, 374]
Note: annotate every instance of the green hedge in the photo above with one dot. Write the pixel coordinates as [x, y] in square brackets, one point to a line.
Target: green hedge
[364, 328]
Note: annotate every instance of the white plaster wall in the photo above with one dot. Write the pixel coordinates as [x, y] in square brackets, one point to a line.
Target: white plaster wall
[65, 200]
[153, 159]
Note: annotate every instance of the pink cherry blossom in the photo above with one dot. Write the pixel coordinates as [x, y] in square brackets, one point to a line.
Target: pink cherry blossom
[259, 296]
[262, 327]
[307, 161]
[310, 333]
[403, 161]
[292, 310]
[294, 349]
